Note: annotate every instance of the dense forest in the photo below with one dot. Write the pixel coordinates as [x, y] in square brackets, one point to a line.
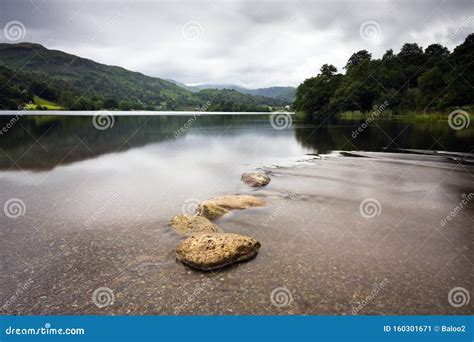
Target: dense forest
[414, 79]
[51, 79]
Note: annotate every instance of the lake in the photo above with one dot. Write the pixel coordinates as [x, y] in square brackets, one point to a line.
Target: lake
[96, 197]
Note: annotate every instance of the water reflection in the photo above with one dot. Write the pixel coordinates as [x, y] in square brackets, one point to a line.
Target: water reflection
[385, 135]
[43, 142]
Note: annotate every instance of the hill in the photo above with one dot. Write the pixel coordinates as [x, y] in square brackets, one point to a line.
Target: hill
[286, 94]
[31, 73]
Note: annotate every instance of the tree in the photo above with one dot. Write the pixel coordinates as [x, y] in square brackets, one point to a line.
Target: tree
[109, 103]
[124, 105]
[357, 58]
[430, 87]
[314, 94]
[460, 78]
[434, 79]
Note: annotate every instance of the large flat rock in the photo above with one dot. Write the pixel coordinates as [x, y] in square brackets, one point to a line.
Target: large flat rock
[185, 224]
[212, 251]
[239, 202]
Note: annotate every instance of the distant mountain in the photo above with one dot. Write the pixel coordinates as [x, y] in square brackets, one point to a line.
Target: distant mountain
[55, 79]
[282, 93]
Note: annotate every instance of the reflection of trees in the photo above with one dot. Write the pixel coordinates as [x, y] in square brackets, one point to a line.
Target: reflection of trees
[320, 139]
[42, 142]
[337, 135]
[65, 139]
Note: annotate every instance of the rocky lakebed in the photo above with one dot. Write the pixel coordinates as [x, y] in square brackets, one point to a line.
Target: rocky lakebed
[209, 247]
[343, 233]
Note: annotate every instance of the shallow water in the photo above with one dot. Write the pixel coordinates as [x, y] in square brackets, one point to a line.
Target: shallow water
[97, 203]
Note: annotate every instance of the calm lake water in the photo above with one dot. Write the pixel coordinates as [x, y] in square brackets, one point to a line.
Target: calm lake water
[44, 142]
[97, 198]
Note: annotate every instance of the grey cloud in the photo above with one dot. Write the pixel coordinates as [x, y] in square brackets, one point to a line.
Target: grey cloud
[254, 43]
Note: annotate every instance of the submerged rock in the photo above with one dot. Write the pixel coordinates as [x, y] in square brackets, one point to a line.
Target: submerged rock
[231, 202]
[255, 179]
[212, 251]
[211, 210]
[188, 225]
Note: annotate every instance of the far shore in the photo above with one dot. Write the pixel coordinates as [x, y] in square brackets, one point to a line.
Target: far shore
[130, 112]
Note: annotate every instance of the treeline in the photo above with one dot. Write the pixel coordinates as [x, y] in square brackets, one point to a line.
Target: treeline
[414, 79]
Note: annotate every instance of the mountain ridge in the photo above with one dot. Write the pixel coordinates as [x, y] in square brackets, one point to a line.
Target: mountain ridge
[286, 93]
[29, 71]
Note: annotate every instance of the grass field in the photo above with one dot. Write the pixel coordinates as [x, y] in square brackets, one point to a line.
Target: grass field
[40, 103]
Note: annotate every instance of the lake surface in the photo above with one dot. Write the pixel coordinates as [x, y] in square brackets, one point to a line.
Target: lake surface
[97, 199]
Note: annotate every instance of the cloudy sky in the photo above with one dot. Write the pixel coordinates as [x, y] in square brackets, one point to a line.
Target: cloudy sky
[251, 43]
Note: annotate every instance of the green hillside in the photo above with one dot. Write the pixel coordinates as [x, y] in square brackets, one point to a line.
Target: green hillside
[71, 82]
[285, 94]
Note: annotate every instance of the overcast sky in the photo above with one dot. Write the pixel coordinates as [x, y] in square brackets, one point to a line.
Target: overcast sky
[251, 43]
